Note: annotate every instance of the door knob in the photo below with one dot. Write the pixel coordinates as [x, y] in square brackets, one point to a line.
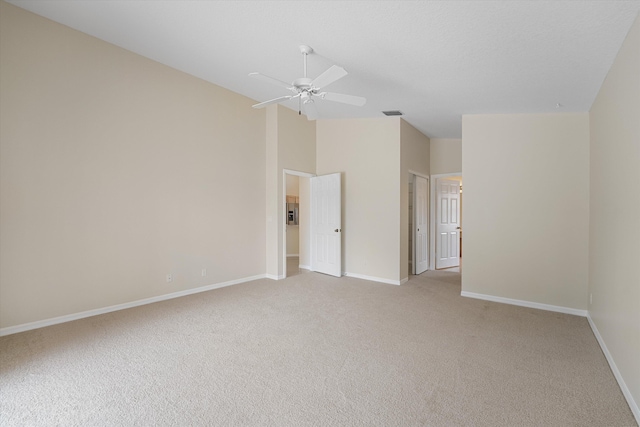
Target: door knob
[337, 230]
[458, 228]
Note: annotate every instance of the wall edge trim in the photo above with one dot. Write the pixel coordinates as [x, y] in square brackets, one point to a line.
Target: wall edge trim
[9, 330]
[372, 278]
[529, 304]
[616, 372]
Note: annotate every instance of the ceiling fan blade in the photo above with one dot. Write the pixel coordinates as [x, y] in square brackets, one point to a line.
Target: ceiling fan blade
[271, 80]
[310, 110]
[331, 75]
[345, 99]
[272, 101]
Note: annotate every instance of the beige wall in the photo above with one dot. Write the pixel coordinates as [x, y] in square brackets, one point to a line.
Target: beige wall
[367, 153]
[293, 240]
[446, 156]
[291, 144]
[614, 232]
[293, 185]
[526, 201]
[115, 171]
[272, 185]
[414, 156]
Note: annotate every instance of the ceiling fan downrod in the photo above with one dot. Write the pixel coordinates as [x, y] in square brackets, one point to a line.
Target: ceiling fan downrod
[306, 50]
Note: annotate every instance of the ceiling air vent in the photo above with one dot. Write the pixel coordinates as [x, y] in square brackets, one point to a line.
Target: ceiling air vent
[392, 113]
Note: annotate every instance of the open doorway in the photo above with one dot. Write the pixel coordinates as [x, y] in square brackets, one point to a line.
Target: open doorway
[296, 230]
[446, 222]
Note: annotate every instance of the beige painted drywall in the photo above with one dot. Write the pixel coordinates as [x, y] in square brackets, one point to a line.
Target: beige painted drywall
[293, 240]
[614, 229]
[526, 201]
[272, 181]
[367, 153]
[446, 156]
[291, 144]
[116, 171]
[297, 141]
[293, 184]
[414, 156]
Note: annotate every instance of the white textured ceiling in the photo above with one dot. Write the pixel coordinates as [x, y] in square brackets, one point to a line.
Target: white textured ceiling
[433, 60]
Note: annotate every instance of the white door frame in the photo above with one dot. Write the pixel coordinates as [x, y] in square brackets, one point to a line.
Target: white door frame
[432, 215]
[413, 228]
[283, 217]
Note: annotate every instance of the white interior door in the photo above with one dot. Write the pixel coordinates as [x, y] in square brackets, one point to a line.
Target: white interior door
[447, 223]
[421, 192]
[326, 224]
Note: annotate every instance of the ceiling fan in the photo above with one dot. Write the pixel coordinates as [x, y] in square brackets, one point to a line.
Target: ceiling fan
[306, 89]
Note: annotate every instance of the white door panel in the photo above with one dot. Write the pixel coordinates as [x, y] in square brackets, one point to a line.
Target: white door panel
[447, 223]
[326, 224]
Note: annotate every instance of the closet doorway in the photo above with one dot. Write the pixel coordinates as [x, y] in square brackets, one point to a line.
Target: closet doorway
[296, 236]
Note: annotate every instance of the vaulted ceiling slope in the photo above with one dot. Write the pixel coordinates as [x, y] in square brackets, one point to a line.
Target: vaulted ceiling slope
[432, 60]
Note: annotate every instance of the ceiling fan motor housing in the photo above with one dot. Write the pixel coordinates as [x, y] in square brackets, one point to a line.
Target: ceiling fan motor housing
[303, 84]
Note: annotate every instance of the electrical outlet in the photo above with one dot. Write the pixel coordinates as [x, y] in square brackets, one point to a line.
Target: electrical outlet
[169, 278]
[204, 272]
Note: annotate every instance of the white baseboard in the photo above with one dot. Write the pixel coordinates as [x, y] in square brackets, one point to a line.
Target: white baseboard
[372, 279]
[304, 267]
[292, 255]
[89, 313]
[274, 277]
[403, 281]
[616, 373]
[547, 307]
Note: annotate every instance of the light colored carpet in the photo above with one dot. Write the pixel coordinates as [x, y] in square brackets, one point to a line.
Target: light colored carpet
[314, 350]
